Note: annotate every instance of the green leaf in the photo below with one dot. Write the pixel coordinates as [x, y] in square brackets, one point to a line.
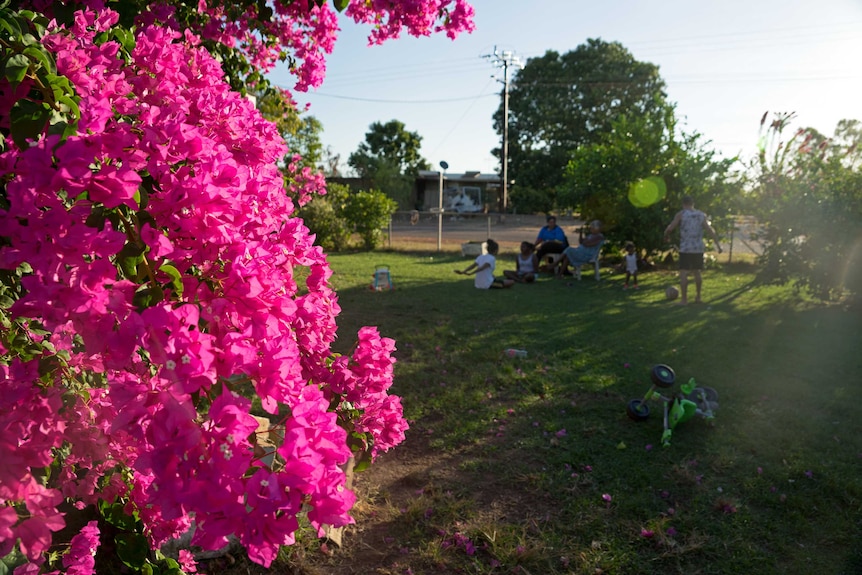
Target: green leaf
[132, 549]
[176, 282]
[125, 38]
[16, 69]
[97, 218]
[341, 5]
[148, 296]
[128, 258]
[71, 104]
[362, 464]
[115, 514]
[39, 54]
[11, 26]
[28, 121]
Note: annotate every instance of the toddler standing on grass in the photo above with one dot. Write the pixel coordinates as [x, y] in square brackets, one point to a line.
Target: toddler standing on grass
[484, 266]
[631, 265]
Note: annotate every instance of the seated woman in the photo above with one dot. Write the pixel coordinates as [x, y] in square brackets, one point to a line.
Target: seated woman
[551, 240]
[585, 252]
[526, 265]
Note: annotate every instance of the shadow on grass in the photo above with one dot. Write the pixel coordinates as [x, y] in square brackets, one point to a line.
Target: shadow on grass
[497, 444]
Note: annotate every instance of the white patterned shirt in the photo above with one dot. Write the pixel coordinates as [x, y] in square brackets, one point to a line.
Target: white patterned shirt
[691, 225]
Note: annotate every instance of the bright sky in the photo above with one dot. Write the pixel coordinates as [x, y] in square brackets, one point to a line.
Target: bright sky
[725, 64]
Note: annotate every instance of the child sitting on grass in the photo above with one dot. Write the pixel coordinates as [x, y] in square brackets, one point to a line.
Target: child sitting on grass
[526, 265]
[484, 266]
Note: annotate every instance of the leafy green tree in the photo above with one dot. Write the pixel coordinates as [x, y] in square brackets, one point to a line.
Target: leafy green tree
[847, 143]
[808, 200]
[634, 178]
[388, 145]
[389, 158]
[369, 212]
[560, 102]
[300, 131]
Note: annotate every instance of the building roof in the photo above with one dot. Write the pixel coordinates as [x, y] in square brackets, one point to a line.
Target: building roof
[466, 177]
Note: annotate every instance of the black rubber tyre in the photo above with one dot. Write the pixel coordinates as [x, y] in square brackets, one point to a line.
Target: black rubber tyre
[637, 410]
[662, 375]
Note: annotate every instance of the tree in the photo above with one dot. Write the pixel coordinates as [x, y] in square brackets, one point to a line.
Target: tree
[301, 132]
[154, 279]
[634, 178]
[388, 146]
[389, 159]
[560, 102]
[808, 199]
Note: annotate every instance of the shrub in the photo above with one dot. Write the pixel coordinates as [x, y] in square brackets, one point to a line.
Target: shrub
[368, 212]
[324, 217]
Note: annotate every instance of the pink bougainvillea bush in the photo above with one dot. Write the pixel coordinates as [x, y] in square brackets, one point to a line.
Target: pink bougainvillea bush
[152, 275]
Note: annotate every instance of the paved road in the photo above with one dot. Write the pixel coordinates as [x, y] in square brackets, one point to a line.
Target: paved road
[457, 229]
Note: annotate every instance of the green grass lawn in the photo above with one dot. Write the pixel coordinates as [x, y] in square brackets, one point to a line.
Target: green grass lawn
[533, 466]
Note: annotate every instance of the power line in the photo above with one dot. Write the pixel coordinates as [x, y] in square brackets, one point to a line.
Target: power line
[425, 65]
[383, 101]
[743, 40]
[395, 75]
[458, 122]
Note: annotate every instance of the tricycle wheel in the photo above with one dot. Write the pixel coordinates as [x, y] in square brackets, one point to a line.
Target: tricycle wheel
[637, 410]
[662, 375]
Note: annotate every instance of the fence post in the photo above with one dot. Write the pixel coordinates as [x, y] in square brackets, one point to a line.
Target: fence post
[730, 250]
[390, 232]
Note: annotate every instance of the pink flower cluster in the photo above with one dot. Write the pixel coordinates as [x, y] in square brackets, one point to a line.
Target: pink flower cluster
[161, 275]
[265, 32]
[420, 17]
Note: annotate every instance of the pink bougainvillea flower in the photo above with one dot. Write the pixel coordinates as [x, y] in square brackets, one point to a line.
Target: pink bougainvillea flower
[81, 558]
[168, 273]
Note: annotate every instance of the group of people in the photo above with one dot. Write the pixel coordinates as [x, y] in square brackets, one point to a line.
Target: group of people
[551, 239]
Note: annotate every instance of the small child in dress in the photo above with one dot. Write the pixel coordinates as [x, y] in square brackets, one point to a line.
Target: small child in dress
[631, 265]
[526, 265]
[484, 266]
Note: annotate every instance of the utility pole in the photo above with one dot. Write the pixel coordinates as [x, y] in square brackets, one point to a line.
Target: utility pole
[505, 59]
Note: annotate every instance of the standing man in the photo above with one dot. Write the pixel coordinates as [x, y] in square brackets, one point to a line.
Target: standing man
[691, 224]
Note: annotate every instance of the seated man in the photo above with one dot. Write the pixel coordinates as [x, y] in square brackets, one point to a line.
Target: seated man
[551, 240]
[586, 251]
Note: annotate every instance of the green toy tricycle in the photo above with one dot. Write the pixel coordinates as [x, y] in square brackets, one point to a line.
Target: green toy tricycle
[694, 400]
